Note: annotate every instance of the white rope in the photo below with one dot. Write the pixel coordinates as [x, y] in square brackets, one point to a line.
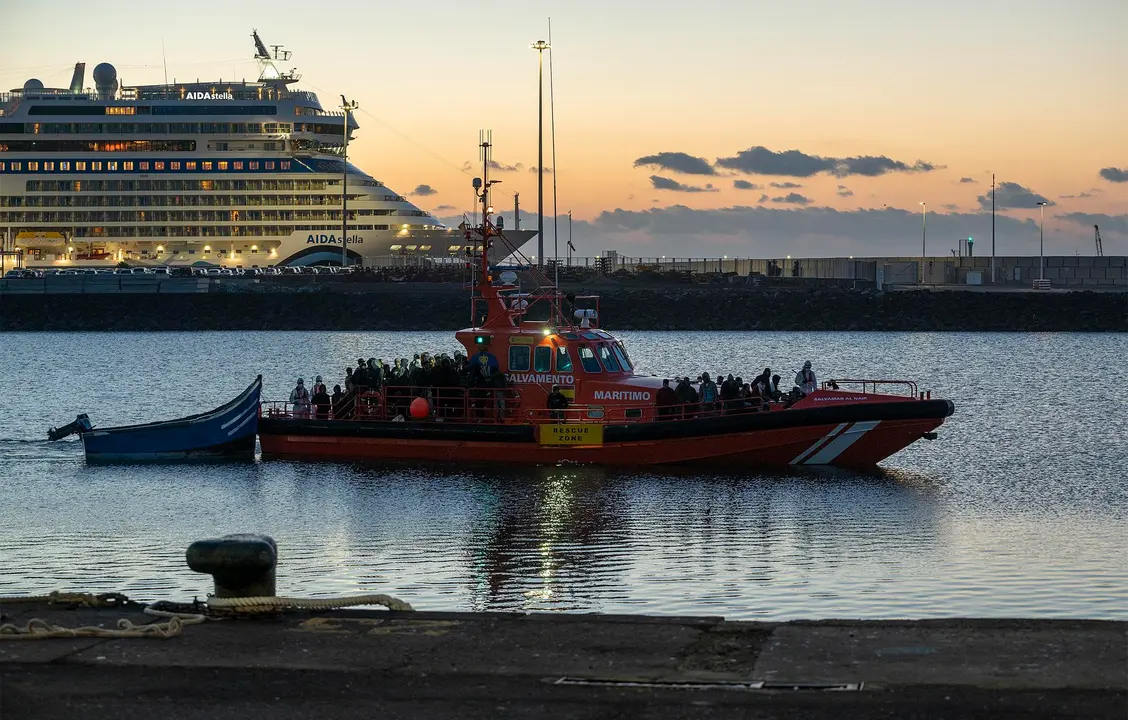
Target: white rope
[57, 597]
[38, 629]
[260, 604]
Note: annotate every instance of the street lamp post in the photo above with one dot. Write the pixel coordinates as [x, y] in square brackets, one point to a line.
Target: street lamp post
[540, 46]
[348, 107]
[923, 236]
[1041, 240]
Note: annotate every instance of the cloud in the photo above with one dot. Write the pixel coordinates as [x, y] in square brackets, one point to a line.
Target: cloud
[664, 183]
[678, 162]
[759, 160]
[1116, 175]
[1116, 223]
[844, 191]
[774, 231]
[753, 231]
[745, 185]
[951, 206]
[502, 167]
[969, 180]
[763, 198]
[547, 170]
[1012, 195]
[786, 185]
[445, 208]
[792, 199]
[424, 190]
[1078, 196]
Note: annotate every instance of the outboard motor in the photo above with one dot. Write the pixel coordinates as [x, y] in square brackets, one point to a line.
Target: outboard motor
[80, 425]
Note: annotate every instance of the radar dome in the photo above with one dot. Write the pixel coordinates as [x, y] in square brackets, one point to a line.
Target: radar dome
[105, 80]
[33, 84]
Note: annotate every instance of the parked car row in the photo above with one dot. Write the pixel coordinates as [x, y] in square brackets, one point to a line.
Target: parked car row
[182, 271]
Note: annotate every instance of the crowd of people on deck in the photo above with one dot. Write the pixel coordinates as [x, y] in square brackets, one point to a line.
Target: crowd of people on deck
[442, 380]
[730, 394]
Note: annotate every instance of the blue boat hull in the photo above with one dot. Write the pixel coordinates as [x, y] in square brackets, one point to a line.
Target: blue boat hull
[226, 433]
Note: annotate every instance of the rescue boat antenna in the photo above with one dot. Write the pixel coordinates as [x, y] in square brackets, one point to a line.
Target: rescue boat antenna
[485, 145]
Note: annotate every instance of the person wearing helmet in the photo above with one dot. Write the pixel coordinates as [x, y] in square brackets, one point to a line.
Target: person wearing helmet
[319, 386]
[805, 379]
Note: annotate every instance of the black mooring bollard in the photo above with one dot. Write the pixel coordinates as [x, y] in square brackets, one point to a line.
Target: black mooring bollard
[241, 565]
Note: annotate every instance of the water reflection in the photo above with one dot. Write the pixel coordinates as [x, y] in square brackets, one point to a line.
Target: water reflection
[1020, 509]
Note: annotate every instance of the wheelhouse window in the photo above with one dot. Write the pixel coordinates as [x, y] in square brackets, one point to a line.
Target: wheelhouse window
[608, 358]
[587, 359]
[519, 358]
[621, 355]
[563, 360]
[542, 359]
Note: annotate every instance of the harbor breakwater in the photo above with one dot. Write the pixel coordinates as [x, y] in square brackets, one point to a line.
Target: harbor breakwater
[445, 307]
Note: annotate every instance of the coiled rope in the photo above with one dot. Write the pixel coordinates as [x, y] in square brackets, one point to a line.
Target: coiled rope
[36, 628]
[263, 604]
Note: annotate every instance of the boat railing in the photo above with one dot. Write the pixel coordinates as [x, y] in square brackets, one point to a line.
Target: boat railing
[453, 404]
[908, 387]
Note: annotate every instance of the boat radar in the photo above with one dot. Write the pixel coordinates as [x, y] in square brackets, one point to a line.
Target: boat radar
[266, 60]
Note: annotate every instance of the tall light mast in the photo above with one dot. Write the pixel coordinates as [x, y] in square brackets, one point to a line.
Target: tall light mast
[540, 46]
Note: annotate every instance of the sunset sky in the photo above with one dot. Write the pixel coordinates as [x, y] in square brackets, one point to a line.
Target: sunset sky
[675, 120]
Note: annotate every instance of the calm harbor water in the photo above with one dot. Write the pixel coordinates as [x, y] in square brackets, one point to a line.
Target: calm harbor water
[1020, 508]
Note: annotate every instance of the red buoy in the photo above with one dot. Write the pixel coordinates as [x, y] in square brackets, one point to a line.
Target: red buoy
[420, 408]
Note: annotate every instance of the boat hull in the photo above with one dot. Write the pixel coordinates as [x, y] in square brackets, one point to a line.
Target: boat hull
[226, 433]
[855, 436]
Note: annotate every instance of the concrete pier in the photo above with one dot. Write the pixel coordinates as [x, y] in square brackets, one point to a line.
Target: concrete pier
[366, 664]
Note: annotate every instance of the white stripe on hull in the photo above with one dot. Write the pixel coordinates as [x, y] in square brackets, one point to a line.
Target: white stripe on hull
[830, 452]
[819, 443]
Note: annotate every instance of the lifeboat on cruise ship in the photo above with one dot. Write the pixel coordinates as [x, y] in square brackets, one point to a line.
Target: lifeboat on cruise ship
[537, 340]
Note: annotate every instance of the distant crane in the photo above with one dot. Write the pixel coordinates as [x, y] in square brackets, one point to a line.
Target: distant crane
[1097, 238]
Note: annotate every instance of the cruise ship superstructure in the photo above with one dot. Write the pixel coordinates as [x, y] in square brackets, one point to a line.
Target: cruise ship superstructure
[235, 173]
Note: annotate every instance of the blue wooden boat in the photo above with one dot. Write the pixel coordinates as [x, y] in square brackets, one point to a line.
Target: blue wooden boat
[228, 432]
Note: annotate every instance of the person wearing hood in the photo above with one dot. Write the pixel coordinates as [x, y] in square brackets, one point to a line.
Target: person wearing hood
[321, 401]
[805, 379]
[337, 399]
[299, 396]
[319, 386]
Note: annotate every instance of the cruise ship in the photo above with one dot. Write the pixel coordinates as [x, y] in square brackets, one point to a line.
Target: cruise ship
[222, 173]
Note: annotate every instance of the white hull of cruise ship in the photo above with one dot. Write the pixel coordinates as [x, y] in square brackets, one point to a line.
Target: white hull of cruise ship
[236, 174]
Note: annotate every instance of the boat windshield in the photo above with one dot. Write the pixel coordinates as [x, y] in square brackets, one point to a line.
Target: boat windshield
[621, 351]
[563, 360]
[608, 358]
[587, 359]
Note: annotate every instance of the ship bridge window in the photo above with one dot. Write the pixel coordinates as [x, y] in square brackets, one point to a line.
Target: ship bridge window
[518, 358]
[608, 358]
[542, 359]
[563, 360]
[587, 359]
[621, 355]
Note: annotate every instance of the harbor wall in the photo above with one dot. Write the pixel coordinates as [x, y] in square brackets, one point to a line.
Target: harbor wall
[423, 306]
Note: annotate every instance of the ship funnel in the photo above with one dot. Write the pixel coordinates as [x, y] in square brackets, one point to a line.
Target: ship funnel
[105, 80]
[78, 78]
